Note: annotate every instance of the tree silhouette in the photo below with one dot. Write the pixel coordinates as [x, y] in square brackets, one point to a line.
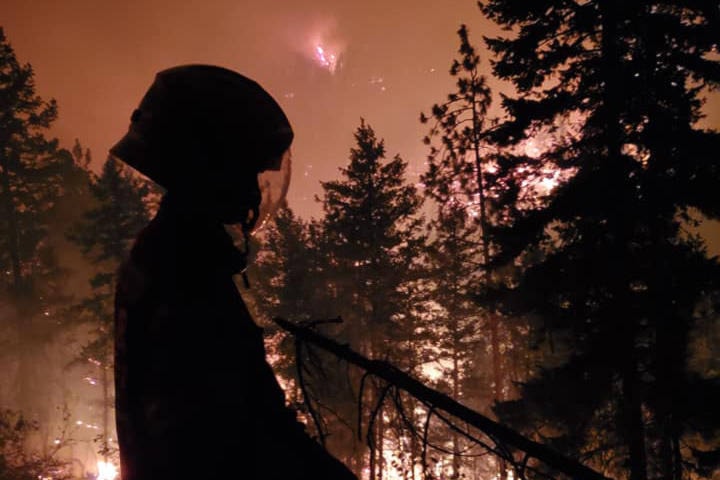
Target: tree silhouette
[31, 181]
[371, 238]
[606, 261]
[463, 180]
[288, 270]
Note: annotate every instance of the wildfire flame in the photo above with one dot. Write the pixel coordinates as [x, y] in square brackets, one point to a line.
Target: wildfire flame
[325, 58]
[106, 471]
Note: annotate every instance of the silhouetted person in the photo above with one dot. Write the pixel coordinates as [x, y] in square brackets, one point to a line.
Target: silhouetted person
[196, 398]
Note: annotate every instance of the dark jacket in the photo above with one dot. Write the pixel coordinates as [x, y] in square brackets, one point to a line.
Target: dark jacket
[195, 395]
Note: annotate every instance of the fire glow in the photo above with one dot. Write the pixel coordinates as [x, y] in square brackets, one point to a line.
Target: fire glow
[106, 471]
[326, 59]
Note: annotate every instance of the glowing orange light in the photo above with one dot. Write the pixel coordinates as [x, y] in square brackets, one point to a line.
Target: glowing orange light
[325, 58]
[106, 471]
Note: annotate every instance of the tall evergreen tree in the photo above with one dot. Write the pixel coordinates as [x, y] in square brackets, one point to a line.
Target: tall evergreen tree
[605, 261]
[31, 168]
[105, 234]
[463, 180]
[288, 270]
[457, 325]
[371, 235]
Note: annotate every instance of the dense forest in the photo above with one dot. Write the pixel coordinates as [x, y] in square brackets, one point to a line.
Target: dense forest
[546, 272]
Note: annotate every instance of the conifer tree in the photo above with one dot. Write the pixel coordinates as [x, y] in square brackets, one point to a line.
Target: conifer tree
[31, 172]
[462, 179]
[287, 268]
[370, 232]
[105, 234]
[371, 238]
[605, 262]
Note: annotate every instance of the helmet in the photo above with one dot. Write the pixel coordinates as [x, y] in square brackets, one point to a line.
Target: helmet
[200, 125]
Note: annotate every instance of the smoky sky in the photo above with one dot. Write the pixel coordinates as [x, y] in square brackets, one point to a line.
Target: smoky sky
[97, 59]
[392, 57]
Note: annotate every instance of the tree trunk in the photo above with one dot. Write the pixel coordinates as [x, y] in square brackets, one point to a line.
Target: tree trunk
[677, 473]
[106, 364]
[631, 420]
[456, 396]
[492, 318]
[633, 425]
[380, 445]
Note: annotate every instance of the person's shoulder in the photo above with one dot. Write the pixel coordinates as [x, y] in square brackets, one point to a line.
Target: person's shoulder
[153, 247]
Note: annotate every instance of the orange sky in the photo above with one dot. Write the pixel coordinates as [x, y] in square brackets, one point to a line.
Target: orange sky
[98, 57]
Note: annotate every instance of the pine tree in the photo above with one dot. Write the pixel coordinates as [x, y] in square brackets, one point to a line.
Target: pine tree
[606, 263]
[287, 267]
[457, 325]
[31, 181]
[462, 179]
[371, 238]
[370, 229]
[105, 234]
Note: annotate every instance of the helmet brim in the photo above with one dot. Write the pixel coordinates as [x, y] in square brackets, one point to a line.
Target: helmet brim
[134, 151]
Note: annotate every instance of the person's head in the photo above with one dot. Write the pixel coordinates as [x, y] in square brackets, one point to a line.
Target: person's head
[204, 133]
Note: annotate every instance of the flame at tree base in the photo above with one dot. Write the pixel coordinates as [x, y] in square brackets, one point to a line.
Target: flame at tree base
[106, 471]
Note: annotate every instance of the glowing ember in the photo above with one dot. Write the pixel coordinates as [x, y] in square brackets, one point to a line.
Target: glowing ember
[544, 181]
[534, 148]
[436, 370]
[326, 59]
[106, 471]
[509, 474]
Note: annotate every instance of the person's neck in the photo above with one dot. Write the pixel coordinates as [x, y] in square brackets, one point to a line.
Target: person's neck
[196, 228]
[188, 209]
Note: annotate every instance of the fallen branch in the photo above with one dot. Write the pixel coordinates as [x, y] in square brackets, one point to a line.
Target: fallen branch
[439, 401]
